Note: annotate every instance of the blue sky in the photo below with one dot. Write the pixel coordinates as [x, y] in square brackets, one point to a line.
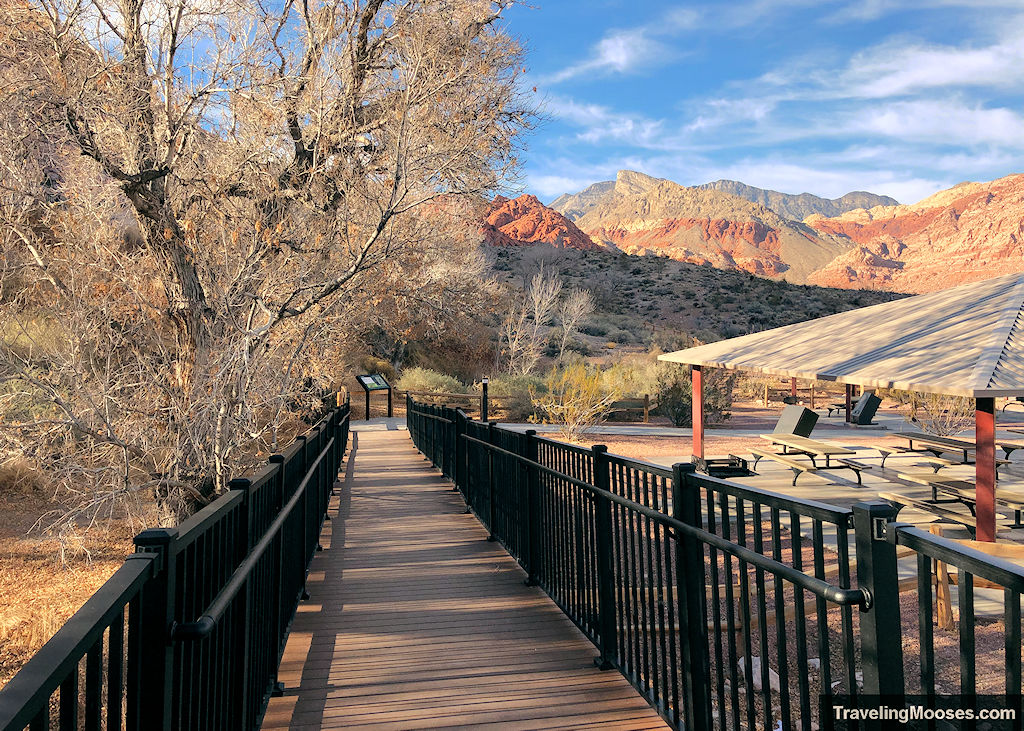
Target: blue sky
[899, 97]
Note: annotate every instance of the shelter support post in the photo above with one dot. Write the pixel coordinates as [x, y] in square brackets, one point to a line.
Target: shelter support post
[985, 467]
[792, 387]
[849, 403]
[697, 403]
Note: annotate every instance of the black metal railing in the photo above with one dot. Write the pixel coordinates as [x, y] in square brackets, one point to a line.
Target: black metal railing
[726, 606]
[188, 633]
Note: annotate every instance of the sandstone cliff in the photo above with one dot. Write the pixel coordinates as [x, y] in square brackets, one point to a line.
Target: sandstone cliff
[970, 232]
[525, 220]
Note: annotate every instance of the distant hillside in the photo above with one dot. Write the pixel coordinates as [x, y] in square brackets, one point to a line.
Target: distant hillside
[644, 215]
[970, 232]
[639, 298]
[799, 207]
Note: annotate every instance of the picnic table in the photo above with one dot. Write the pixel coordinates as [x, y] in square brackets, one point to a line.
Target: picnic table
[963, 491]
[937, 445]
[791, 443]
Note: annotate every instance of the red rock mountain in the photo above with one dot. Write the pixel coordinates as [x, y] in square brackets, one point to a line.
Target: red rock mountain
[645, 215]
[525, 220]
[970, 232]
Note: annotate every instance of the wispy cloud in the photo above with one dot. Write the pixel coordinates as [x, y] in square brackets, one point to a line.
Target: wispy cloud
[896, 69]
[599, 123]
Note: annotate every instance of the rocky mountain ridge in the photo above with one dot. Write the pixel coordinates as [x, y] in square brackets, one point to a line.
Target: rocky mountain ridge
[966, 233]
[799, 207]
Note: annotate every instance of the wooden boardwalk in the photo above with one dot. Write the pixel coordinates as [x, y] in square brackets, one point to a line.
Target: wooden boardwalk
[416, 621]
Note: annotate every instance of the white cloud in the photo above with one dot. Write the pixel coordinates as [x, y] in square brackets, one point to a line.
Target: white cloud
[943, 121]
[896, 69]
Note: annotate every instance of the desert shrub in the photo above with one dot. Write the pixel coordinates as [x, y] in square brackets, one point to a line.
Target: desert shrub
[596, 329]
[675, 395]
[576, 399]
[424, 379]
[372, 364]
[519, 404]
[622, 336]
[633, 376]
[936, 413]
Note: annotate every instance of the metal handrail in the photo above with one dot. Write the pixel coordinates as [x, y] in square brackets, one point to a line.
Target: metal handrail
[818, 587]
[207, 622]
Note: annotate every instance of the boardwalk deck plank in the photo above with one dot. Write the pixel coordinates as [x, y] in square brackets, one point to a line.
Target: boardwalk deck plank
[415, 621]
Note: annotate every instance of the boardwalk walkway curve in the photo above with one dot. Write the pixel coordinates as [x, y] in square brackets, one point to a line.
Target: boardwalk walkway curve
[416, 621]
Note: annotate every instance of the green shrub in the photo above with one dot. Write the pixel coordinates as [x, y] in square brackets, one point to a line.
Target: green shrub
[371, 364]
[675, 394]
[519, 405]
[424, 379]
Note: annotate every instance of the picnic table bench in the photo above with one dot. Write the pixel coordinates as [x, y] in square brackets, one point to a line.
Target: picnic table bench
[963, 491]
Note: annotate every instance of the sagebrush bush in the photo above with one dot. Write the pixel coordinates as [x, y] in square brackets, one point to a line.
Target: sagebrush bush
[424, 379]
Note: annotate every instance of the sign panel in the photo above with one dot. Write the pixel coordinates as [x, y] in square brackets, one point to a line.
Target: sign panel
[374, 382]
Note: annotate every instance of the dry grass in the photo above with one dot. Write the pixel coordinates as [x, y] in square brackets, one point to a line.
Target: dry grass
[38, 593]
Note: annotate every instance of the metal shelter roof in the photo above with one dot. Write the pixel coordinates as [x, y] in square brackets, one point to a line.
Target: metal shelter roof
[964, 341]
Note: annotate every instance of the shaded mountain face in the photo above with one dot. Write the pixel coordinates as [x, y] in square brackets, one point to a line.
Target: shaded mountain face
[799, 207]
[970, 232]
[648, 216]
[525, 220]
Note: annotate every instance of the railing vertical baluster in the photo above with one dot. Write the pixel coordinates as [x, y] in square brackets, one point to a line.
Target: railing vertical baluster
[608, 621]
[876, 573]
[689, 564]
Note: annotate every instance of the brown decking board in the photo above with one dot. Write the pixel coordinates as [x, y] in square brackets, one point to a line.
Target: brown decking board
[416, 621]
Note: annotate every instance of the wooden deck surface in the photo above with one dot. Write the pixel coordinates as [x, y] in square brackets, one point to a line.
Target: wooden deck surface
[415, 621]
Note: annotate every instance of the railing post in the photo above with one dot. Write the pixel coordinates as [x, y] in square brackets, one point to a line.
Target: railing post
[689, 565]
[492, 433]
[532, 509]
[605, 541]
[149, 634]
[880, 627]
[246, 535]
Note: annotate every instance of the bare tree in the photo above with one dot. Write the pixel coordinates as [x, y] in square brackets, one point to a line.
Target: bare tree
[199, 199]
[525, 326]
[574, 308]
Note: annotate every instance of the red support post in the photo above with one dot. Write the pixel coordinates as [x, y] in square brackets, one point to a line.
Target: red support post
[697, 403]
[849, 403]
[792, 387]
[985, 467]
